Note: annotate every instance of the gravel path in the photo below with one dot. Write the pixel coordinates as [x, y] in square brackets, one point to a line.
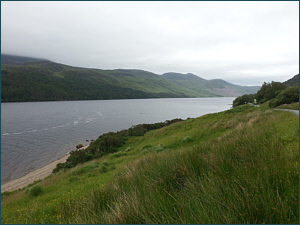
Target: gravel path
[289, 110]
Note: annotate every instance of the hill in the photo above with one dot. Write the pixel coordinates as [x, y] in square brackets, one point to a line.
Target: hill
[18, 60]
[216, 86]
[49, 81]
[240, 166]
[274, 93]
[293, 82]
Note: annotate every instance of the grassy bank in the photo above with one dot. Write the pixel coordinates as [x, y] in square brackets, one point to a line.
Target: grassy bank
[237, 166]
[294, 106]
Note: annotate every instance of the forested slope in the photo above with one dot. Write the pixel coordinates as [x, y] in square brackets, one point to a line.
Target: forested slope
[49, 81]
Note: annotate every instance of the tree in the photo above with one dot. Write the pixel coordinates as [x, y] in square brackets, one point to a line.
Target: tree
[243, 100]
[269, 91]
[286, 96]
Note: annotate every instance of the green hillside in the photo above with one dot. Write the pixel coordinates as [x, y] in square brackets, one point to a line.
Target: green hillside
[17, 60]
[216, 87]
[274, 94]
[293, 82]
[240, 166]
[49, 81]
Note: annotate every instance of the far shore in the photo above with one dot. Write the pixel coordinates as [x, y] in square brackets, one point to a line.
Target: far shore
[36, 175]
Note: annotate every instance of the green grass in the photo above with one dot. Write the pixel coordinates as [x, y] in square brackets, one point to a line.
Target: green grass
[294, 106]
[35, 191]
[237, 166]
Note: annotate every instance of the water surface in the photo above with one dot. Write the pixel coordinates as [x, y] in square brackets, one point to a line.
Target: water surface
[34, 134]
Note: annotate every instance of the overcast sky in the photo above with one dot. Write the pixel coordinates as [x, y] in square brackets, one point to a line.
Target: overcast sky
[245, 43]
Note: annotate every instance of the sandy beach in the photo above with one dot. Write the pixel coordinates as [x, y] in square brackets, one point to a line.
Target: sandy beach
[32, 177]
[38, 174]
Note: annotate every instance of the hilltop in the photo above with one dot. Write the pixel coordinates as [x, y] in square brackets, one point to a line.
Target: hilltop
[216, 86]
[240, 166]
[293, 82]
[18, 60]
[49, 81]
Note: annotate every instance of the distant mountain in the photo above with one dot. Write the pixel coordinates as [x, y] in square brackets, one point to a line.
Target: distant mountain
[17, 60]
[293, 81]
[180, 76]
[215, 87]
[49, 81]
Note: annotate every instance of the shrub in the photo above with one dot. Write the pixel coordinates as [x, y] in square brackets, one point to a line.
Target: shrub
[72, 179]
[60, 166]
[150, 148]
[287, 96]
[109, 143]
[103, 169]
[189, 120]
[118, 154]
[104, 164]
[76, 157]
[84, 169]
[238, 109]
[128, 149]
[147, 146]
[88, 157]
[243, 100]
[187, 139]
[35, 191]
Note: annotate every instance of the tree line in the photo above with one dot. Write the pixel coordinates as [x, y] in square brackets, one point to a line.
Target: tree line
[275, 92]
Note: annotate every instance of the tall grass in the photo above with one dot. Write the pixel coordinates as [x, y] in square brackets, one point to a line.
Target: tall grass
[242, 166]
[250, 176]
[294, 106]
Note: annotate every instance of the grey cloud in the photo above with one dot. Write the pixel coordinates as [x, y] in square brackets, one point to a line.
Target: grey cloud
[224, 40]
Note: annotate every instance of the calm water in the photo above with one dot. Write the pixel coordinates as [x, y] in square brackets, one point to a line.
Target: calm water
[37, 133]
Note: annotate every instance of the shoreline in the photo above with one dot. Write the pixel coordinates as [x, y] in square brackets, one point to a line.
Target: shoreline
[33, 176]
